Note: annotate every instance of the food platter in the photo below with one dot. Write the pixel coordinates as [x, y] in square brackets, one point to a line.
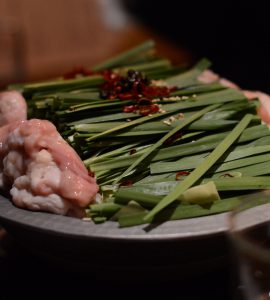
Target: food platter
[135, 154]
[55, 224]
[155, 250]
[192, 245]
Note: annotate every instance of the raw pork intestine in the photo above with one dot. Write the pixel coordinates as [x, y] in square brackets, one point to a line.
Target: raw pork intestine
[42, 170]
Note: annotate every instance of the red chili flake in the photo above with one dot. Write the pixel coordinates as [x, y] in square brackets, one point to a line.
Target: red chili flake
[156, 91]
[144, 101]
[127, 182]
[154, 108]
[133, 86]
[125, 96]
[226, 175]
[180, 174]
[109, 76]
[173, 138]
[132, 151]
[130, 108]
[146, 110]
[91, 173]
[173, 89]
[137, 88]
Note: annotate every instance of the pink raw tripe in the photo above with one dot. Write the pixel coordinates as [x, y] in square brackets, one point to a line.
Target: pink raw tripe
[43, 170]
[264, 108]
[12, 107]
[208, 76]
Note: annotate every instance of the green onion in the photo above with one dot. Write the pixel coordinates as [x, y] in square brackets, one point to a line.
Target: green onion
[241, 183]
[185, 211]
[160, 142]
[125, 56]
[67, 83]
[202, 169]
[201, 145]
[172, 179]
[189, 77]
[190, 162]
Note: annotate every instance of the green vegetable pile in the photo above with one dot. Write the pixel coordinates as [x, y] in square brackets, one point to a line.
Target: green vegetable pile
[161, 144]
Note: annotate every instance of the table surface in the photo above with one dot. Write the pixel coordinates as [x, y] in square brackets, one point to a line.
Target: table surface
[25, 274]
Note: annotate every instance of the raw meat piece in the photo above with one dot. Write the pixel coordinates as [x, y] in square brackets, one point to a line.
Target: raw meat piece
[264, 108]
[44, 171]
[12, 107]
[209, 76]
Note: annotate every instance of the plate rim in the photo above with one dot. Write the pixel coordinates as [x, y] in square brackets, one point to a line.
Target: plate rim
[62, 226]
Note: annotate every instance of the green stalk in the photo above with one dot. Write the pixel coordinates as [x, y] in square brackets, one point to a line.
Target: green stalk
[156, 126]
[63, 83]
[200, 146]
[126, 125]
[124, 195]
[159, 64]
[152, 179]
[223, 96]
[125, 56]
[184, 211]
[106, 209]
[160, 142]
[105, 118]
[198, 89]
[201, 169]
[241, 183]
[202, 100]
[118, 151]
[89, 106]
[259, 169]
[78, 96]
[190, 162]
[243, 162]
[189, 77]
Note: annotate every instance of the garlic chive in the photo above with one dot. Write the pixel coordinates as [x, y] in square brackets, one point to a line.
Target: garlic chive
[160, 142]
[202, 168]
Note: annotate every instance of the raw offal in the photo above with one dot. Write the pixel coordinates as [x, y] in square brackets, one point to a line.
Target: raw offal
[12, 107]
[42, 170]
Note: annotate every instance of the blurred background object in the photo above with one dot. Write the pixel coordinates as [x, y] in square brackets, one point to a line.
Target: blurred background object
[12, 59]
[234, 35]
[48, 38]
[59, 35]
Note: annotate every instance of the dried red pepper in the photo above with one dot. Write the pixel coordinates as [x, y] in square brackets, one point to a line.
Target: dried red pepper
[173, 138]
[181, 174]
[127, 182]
[133, 86]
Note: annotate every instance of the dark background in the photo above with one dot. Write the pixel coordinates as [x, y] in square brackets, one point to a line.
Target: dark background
[234, 35]
[25, 275]
[44, 39]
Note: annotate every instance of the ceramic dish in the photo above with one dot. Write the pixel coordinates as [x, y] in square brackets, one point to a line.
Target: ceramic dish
[191, 245]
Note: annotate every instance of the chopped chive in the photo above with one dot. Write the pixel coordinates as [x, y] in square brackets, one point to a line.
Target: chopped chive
[160, 142]
[184, 211]
[189, 77]
[123, 57]
[201, 169]
[58, 84]
[126, 125]
[241, 183]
